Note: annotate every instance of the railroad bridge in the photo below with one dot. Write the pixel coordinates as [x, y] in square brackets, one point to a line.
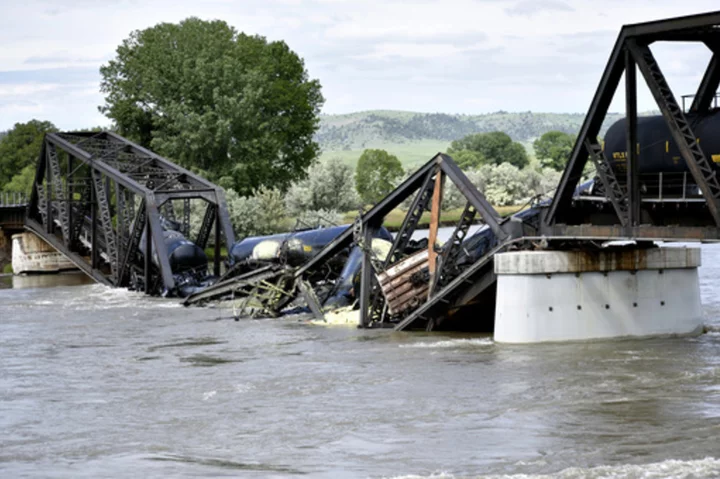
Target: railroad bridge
[104, 201]
[96, 194]
[411, 288]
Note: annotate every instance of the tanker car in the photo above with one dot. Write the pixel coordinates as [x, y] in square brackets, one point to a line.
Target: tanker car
[663, 170]
[188, 262]
[298, 247]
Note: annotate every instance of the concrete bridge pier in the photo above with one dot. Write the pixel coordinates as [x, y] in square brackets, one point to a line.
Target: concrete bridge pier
[581, 295]
[31, 254]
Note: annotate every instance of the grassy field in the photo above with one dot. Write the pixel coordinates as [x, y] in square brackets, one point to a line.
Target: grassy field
[410, 154]
[414, 137]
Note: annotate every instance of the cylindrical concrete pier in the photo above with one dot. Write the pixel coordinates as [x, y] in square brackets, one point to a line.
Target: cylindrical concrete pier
[581, 295]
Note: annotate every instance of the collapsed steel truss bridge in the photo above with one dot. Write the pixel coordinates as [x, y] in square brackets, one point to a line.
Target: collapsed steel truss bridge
[421, 289]
[100, 200]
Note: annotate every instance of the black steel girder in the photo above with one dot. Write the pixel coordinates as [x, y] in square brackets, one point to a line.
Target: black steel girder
[631, 48]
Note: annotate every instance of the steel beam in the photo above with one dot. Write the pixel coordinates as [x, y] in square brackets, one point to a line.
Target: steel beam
[366, 275]
[613, 191]
[633, 169]
[708, 86]
[704, 173]
[659, 27]
[589, 131]
[473, 195]
[99, 165]
[411, 220]
[166, 164]
[157, 235]
[379, 211]
[76, 259]
[589, 232]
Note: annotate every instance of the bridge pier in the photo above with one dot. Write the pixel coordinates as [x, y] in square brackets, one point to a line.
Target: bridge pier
[30, 254]
[583, 295]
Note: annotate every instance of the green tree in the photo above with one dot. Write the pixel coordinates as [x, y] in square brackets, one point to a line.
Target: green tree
[496, 147]
[376, 174]
[236, 107]
[19, 151]
[553, 149]
[468, 159]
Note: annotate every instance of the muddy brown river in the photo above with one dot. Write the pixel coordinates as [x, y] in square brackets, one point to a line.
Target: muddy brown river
[96, 382]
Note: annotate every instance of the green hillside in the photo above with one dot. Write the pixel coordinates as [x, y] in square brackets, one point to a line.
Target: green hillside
[415, 137]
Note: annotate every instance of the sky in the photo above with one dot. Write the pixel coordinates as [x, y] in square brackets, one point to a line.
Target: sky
[452, 56]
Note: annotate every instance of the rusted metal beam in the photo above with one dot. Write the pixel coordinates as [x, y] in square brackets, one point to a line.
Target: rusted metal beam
[434, 225]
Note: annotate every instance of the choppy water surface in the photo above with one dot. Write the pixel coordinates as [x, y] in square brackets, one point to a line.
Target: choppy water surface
[97, 382]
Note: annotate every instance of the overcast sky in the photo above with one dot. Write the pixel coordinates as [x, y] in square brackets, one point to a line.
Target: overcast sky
[454, 56]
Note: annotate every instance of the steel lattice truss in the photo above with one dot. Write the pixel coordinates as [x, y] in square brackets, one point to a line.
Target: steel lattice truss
[624, 197]
[447, 286]
[96, 196]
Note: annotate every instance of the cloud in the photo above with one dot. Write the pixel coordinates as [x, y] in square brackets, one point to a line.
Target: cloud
[530, 8]
[467, 56]
[26, 89]
[65, 75]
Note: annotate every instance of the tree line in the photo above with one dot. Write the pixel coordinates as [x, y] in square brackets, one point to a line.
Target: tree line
[243, 112]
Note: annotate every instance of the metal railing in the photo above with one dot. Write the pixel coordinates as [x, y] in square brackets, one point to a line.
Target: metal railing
[13, 199]
[688, 99]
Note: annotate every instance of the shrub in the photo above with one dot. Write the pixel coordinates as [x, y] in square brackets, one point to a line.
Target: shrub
[329, 186]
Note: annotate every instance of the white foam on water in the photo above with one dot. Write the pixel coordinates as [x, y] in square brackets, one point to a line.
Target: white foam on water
[101, 297]
[676, 469]
[451, 343]
[712, 330]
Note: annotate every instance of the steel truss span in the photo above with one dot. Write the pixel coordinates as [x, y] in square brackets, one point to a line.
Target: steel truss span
[426, 287]
[626, 206]
[106, 203]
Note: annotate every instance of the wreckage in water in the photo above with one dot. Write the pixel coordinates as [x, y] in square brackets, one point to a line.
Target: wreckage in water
[393, 281]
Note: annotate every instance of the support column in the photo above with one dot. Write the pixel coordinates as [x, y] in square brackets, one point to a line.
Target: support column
[582, 295]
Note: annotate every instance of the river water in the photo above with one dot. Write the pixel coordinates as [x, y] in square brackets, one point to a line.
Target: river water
[96, 382]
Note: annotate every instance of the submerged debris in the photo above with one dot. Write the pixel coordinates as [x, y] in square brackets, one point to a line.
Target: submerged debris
[360, 273]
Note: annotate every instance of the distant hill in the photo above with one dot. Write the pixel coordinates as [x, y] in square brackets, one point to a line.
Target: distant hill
[415, 137]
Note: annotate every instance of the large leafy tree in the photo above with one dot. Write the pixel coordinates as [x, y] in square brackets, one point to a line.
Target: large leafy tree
[236, 107]
[494, 147]
[376, 174]
[19, 150]
[553, 149]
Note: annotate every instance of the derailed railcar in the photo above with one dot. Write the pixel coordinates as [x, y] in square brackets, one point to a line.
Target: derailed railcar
[261, 268]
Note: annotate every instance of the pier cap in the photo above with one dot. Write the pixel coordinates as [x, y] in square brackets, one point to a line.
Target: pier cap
[549, 262]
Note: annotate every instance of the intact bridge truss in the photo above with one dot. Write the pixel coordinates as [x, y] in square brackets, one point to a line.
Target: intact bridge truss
[101, 200]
